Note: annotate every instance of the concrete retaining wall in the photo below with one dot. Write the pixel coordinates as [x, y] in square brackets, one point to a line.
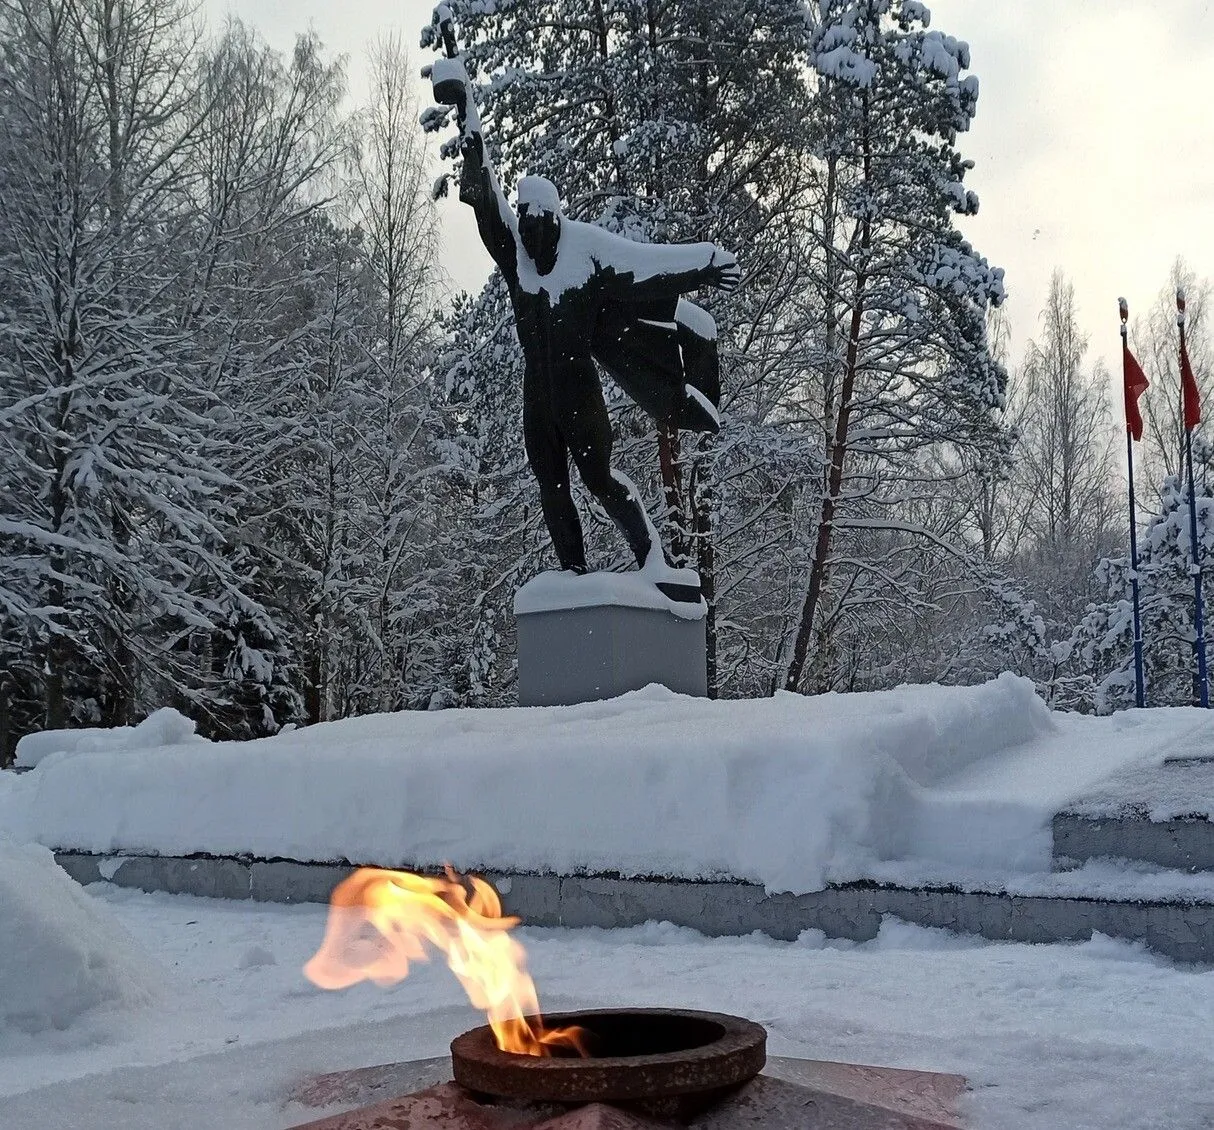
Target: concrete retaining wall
[854, 911]
[1185, 844]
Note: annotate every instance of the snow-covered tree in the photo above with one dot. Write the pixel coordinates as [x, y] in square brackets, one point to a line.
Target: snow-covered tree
[501, 533]
[904, 365]
[1104, 639]
[420, 607]
[1154, 341]
[1065, 493]
[255, 271]
[217, 456]
[114, 498]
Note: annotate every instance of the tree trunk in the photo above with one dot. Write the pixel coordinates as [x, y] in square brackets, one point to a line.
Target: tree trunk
[56, 713]
[838, 444]
[701, 500]
[674, 521]
[6, 736]
[313, 694]
[838, 454]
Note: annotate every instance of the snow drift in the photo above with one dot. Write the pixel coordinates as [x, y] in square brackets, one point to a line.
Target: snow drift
[791, 792]
[165, 727]
[62, 954]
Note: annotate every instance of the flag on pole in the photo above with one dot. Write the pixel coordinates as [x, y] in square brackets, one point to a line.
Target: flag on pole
[1192, 417]
[1188, 382]
[1192, 399]
[1136, 384]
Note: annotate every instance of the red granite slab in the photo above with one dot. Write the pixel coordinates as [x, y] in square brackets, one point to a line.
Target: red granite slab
[929, 1095]
[449, 1107]
[793, 1095]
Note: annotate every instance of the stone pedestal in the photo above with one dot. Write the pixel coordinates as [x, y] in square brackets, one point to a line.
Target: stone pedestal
[582, 639]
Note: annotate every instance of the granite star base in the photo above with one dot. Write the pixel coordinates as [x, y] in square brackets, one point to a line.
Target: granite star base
[791, 1094]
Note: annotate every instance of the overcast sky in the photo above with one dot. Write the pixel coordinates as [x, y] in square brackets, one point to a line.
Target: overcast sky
[1094, 139]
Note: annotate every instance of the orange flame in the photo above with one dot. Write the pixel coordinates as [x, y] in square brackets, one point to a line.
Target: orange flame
[378, 921]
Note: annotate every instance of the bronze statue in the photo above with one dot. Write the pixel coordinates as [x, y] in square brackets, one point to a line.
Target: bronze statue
[581, 294]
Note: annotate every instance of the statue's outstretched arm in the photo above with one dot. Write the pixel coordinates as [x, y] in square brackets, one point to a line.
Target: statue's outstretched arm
[647, 272]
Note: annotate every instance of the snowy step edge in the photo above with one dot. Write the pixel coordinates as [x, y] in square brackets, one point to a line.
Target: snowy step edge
[1106, 878]
[1180, 845]
[1180, 930]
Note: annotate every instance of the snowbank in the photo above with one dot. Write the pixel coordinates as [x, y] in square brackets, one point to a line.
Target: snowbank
[62, 953]
[791, 792]
[165, 727]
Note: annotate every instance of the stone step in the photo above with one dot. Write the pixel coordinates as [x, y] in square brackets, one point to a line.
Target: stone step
[1158, 814]
[1181, 844]
[1182, 929]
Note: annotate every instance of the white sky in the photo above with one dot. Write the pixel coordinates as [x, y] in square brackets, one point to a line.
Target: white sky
[1094, 139]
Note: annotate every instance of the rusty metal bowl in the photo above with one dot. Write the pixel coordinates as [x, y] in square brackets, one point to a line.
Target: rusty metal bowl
[638, 1055]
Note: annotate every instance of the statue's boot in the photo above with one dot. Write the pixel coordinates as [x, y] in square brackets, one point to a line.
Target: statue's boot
[644, 547]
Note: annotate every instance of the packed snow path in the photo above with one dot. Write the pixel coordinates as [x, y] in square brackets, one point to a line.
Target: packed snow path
[1098, 1035]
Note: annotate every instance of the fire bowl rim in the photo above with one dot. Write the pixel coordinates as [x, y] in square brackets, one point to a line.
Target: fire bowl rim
[734, 1058]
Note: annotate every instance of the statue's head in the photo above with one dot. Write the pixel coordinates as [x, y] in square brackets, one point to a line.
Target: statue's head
[539, 221]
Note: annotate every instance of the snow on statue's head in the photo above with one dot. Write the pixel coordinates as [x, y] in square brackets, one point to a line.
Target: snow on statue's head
[538, 194]
[539, 221]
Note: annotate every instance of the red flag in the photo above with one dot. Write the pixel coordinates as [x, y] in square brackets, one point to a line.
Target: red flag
[1192, 399]
[1188, 383]
[1136, 384]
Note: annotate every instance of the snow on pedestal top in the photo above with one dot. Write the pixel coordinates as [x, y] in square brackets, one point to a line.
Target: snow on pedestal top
[561, 591]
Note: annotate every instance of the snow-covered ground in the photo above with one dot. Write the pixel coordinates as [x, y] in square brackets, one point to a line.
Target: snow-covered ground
[139, 1011]
[938, 783]
[1099, 1035]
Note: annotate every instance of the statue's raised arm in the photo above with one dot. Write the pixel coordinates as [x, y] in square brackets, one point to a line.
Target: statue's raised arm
[479, 187]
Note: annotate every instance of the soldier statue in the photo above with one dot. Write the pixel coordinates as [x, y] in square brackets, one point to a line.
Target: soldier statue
[581, 293]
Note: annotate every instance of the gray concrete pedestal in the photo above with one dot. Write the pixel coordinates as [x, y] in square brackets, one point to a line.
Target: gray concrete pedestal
[568, 655]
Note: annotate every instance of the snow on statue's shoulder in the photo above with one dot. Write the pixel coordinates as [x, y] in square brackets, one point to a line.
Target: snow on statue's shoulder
[562, 591]
[575, 261]
[584, 249]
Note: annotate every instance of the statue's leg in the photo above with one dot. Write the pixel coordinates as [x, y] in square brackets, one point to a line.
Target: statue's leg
[548, 457]
[583, 418]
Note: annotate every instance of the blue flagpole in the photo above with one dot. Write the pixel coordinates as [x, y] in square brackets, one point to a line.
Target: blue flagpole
[1201, 682]
[1199, 629]
[1140, 691]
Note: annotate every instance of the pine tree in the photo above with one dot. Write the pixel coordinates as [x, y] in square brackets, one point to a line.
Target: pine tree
[1104, 638]
[905, 365]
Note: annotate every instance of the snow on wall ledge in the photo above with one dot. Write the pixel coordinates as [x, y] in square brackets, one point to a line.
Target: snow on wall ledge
[790, 792]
